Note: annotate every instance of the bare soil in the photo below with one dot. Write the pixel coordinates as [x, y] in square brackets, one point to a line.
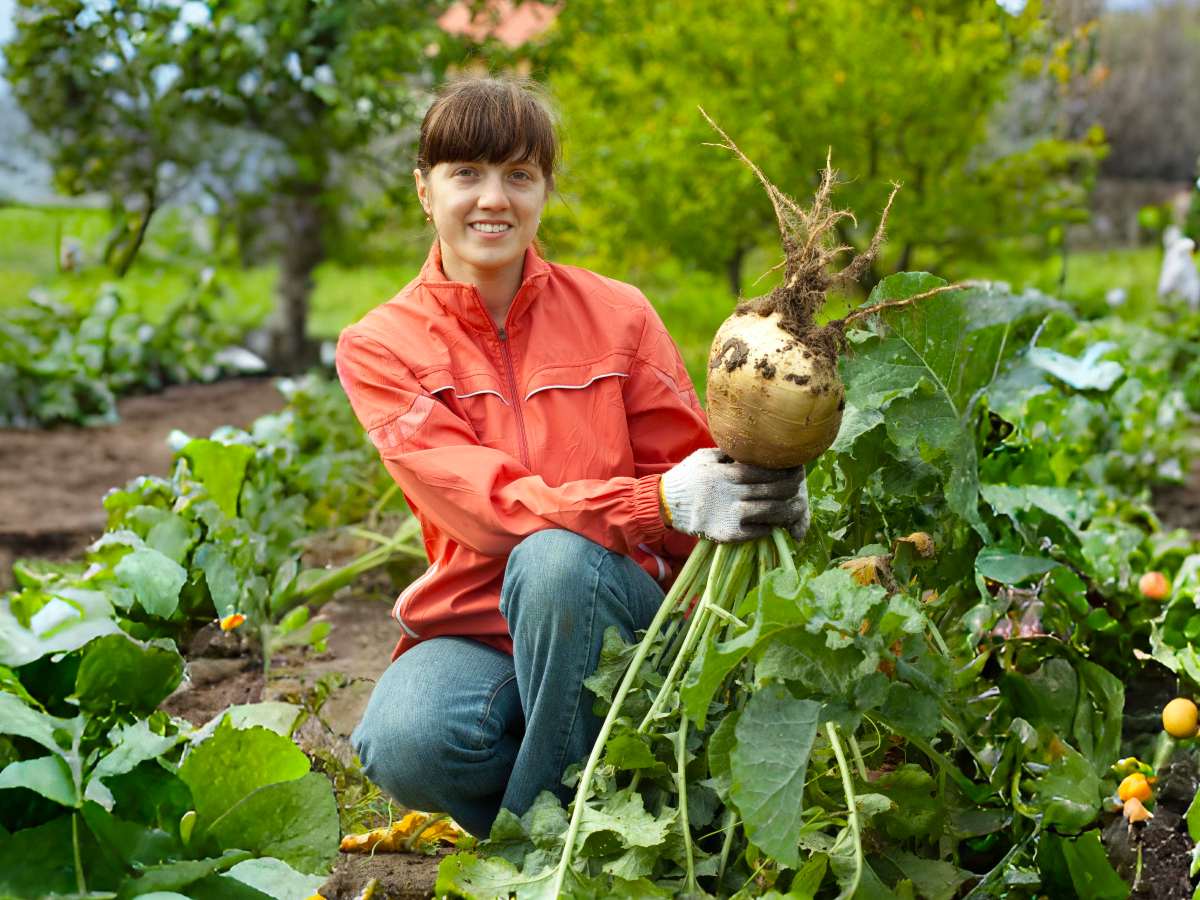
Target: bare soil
[53, 480]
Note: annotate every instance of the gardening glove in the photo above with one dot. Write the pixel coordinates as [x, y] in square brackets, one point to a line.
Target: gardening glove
[709, 495]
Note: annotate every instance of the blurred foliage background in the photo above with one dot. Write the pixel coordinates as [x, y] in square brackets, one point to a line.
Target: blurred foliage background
[270, 144]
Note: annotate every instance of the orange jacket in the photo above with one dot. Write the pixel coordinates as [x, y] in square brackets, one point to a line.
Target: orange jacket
[565, 418]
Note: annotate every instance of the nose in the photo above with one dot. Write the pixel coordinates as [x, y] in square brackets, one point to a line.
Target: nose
[492, 194]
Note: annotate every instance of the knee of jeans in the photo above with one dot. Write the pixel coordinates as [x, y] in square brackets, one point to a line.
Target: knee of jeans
[545, 567]
[396, 754]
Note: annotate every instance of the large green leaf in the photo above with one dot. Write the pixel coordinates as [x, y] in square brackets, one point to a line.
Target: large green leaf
[295, 821]
[775, 735]
[926, 369]
[47, 775]
[276, 879]
[65, 623]
[221, 577]
[221, 468]
[234, 763]
[1007, 567]
[155, 580]
[120, 673]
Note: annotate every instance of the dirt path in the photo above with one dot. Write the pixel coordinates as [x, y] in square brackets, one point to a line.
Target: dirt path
[52, 480]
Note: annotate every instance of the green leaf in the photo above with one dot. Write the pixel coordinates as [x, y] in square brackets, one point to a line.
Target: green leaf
[172, 536]
[918, 811]
[154, 579]
[625, 815]
[224, 586]
[120, 673]
[131, 745]
[38, 862]
[1070, 506]
[276, 879]
[65, 623]
[926, 370]
[274, 715]
[1069, 793]
[170, 876]
[933, 878]
[466, 875]
[131, 842]
[1091, 874]
[769, 763]
[221, 468]
[1084, 373]
[295, 821]
[18, 719]
[1011, 568]
[49, 776]
[234, 763]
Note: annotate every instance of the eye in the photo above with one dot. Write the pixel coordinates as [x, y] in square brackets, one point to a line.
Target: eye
[463, 172]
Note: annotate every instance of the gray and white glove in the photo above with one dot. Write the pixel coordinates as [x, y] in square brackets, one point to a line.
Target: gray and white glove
[709, 495]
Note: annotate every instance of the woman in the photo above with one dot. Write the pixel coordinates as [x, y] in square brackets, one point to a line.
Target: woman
[545, 433]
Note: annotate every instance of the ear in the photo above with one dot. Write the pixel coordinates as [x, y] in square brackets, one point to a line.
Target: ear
[422, 190]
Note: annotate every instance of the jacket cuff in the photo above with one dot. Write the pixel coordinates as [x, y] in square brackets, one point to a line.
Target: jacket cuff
[647, 510]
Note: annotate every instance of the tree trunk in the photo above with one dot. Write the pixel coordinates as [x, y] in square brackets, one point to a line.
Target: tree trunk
[303, 252]
[733, 270]
[129, 254]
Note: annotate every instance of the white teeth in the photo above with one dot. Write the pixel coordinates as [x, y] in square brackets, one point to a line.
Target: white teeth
[490, 228]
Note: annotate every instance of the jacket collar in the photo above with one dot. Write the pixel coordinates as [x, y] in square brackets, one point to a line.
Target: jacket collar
[462, 300]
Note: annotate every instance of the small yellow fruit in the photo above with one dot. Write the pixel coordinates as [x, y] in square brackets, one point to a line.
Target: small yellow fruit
[232, 621]
[1134, 787]
[1154, 586]
[1179, 718]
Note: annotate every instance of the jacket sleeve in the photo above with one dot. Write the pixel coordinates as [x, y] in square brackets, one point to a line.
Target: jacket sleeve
[481, 497]
[666, 421]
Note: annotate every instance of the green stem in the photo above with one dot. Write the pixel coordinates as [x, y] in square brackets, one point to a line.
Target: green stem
[848, 788]
[726, 844]
[699, 556]
[324, 587]
[858, 757]
[700, 616]
[785, 551]
[80, 881]
[681, 779]
[694, 577]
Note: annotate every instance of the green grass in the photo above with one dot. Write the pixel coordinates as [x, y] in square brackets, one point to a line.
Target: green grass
[691, 302]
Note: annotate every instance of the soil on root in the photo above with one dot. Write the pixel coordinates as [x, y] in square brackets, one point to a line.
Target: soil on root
[400, 876]
[53, 479]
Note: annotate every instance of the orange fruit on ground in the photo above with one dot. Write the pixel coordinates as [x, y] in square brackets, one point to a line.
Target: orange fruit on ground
[1154, 586]
[1134, 787]
[1179, 718]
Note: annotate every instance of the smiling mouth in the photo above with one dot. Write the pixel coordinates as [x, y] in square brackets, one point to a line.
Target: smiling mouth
[490, 227]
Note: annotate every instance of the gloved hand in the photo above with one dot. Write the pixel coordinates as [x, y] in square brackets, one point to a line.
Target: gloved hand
[709, 495]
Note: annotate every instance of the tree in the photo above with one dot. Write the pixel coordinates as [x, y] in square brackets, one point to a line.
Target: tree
[145, 91]
[95, 82]
[897, 92]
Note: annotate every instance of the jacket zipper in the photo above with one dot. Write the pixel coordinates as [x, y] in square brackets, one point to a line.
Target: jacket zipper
[516, 400]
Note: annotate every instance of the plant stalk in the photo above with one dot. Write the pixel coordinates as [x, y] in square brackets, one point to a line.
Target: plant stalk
[684, 826]
[848, 789]
[696, 561]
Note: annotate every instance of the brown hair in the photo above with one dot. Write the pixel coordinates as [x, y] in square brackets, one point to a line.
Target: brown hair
[492, 120]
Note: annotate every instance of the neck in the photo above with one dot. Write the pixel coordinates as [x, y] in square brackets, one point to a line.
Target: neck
[497, 287]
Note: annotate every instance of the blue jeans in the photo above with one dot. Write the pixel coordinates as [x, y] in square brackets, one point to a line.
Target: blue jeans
[456, 726]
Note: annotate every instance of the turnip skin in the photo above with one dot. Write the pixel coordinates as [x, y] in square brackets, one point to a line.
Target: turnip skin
[773, 400]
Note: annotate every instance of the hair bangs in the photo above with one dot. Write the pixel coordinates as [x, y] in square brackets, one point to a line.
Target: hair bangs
[489, 120]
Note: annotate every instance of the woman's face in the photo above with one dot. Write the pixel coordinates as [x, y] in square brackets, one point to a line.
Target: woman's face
[486, 214]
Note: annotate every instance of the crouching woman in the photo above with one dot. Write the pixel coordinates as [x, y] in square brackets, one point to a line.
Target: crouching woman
[545, 433]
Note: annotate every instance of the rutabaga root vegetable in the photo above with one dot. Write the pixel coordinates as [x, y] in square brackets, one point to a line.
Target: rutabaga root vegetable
[774, 395]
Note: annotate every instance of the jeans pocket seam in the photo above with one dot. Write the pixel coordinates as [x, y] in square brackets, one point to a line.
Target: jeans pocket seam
[487, 710]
